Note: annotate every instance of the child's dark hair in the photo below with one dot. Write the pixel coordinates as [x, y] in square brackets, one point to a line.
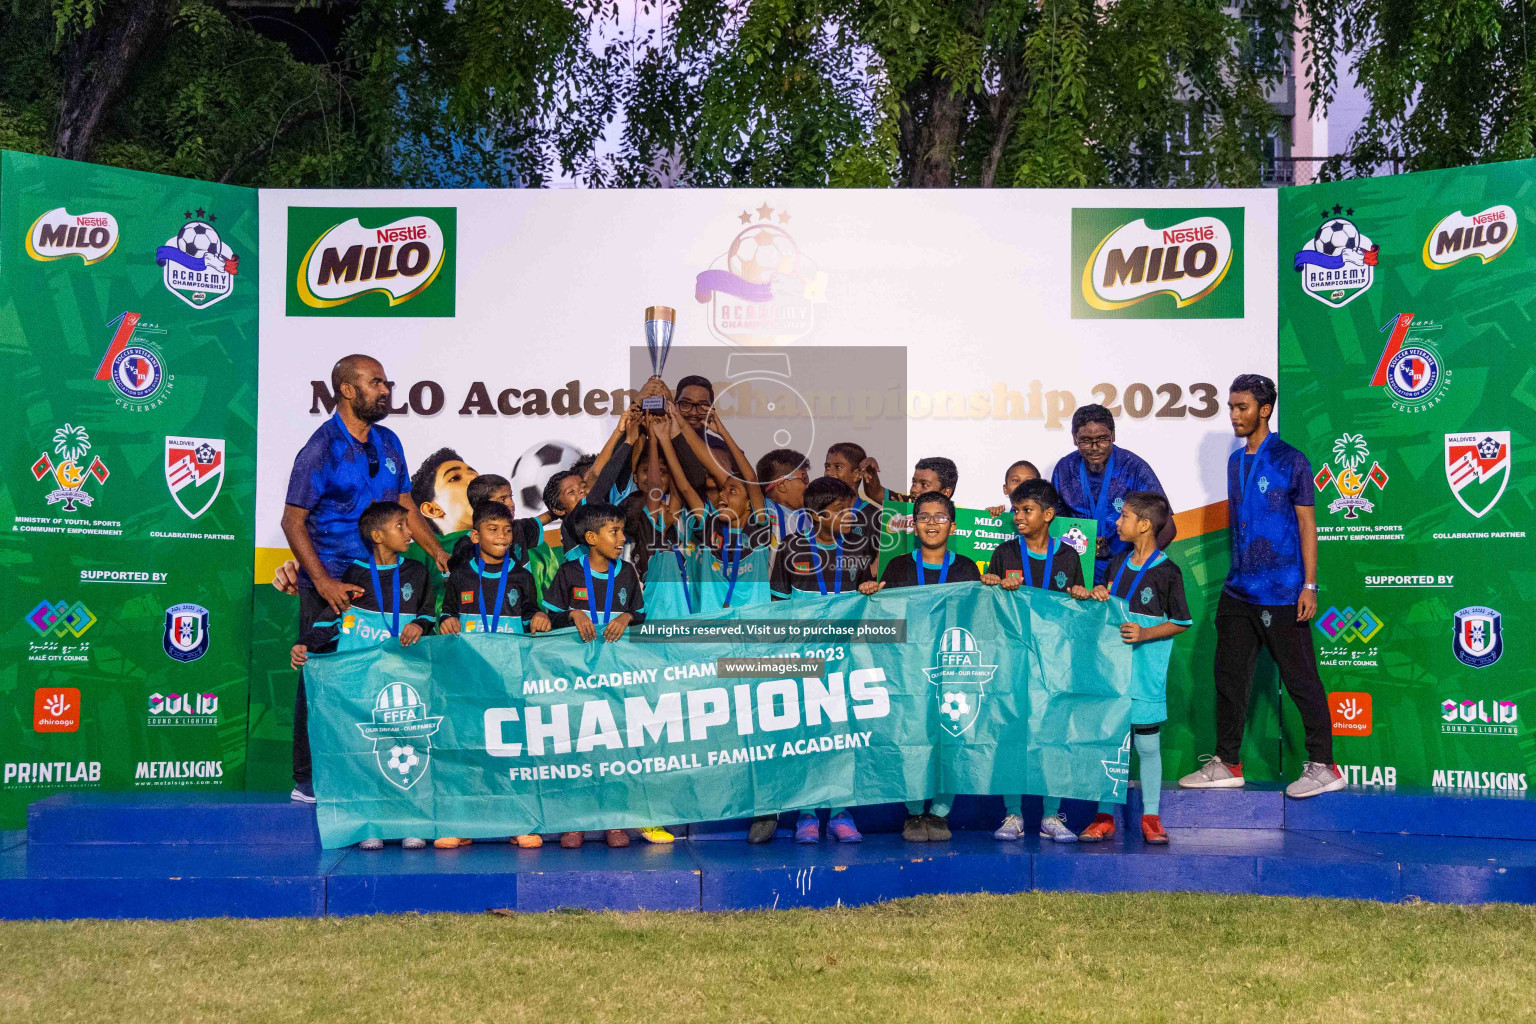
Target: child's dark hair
[483, 512]
[854, 453]
[822, 492]
[945, 469]
[424, 480]
[1038, 491]
[934, 498]
[552, 491]
[594, 515]
[1259, 386]
[778, 464]
[1152, 507]
[1022, 462]
[586, 462]
[483, 486]
[375, 517]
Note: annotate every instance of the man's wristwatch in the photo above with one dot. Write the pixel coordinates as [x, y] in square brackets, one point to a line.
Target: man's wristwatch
[1309, 586]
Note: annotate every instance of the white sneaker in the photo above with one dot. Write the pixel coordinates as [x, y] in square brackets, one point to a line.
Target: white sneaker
[1214, 774]
[1316, 778]
[1010, 830]
[413, 843]
[1054, 826]
[371, 844]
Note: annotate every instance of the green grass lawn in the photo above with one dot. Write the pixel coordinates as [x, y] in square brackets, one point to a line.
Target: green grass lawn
[1033, 956]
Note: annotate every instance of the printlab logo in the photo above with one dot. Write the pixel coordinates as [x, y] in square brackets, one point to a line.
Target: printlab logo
[372, 261]
[186, 632]
[1351, 452]
[135, 367]
[56, 709]
[762, 290]
[1477, 636]
[1486, 235]
[71, 444]
[182, 709]
[959, 680]
[1351, 713]
[401, 732]
[1479, 718]
[199, 267]
[1122, 260]
[1338, 263]
[194, 471]
[59, 233]
[1477, 468]
[1409, 367]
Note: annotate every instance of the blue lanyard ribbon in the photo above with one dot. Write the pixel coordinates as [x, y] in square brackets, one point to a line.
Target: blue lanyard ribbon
[837, 572]
[949, 560]
[1045, 571]
[1099, 503]
[378, 591]
[612, 578]
[1244, 479]
[494, 623]
[1157, 556]
[682, 567]
[731, 567]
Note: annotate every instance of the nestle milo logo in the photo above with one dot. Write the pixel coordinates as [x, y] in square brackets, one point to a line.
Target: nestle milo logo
[59, 233]
[371, 261]
[1157, 264]
[1485, 235]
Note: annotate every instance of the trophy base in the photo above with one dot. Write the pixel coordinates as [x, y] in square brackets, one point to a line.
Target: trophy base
[653, 403]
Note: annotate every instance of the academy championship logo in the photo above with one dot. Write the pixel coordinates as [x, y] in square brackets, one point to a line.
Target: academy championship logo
[71, 473]
[959, 680]
[1486, 235]
[763, 290]
[1351, 452]
[401, 732]
[1410, 367]
[1477, 636]
[59, 233]
[1338, 263]
[199, 267]
[194, 472]
[1477, 468]
[186, 632]
[371, 261]
[1156, 264]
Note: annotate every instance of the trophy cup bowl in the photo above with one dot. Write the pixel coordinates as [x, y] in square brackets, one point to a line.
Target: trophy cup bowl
[660, 321]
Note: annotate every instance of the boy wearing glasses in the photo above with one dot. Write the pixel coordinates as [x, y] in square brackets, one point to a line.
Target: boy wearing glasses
[932, 563]
[1094, 480]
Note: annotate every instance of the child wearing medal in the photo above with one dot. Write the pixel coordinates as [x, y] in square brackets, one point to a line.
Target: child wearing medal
[1150, 584]
[394, 604]
[933, 516]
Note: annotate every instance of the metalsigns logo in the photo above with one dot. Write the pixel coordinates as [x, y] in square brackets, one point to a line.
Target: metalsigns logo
[401, 732]
[1350, 451]
[71, 444]
[134, 366]
[1486, 235]
[194, 471]
[1410, 367]
[1477, 468]
[372, 261]
[1479, 718]
[1157, 264]
[59, 233]
[186, 632]
[1338, 263]
[762, 290]
[199, 267]
[1477, 637]
[959, 680]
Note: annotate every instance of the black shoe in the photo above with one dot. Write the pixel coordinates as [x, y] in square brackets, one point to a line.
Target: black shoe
[763, 829]
[916, 829]
[937, 828]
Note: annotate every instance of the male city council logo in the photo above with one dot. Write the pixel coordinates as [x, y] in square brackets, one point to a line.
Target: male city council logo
[371, 261]
[1486, 235]
[763, 290]
[71, 473]
[194, 472]
[959, 680]
[59, 233]
[1410, 367]
[1349, 625]
[1477, 636]
[1338, 263]
[1351, 452]
[186, 632]
[1186, 258]
[401, 731]
[1477, 468]
[199, 266]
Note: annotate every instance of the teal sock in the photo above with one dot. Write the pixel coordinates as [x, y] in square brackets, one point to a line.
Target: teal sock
[1013, 805]
[939, 808]
[1052, 805]
[915, 807]
[1149, 749]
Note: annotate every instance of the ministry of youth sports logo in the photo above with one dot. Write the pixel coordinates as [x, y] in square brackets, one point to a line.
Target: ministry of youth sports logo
[401, 732]
[1338, 263]
[959, 680]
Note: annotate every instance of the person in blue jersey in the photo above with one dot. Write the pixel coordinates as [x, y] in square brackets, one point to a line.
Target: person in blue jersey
[1270, 595]
[395, 604]
[1094, 480]
[930, 564]
[347, 464]
[1150, 584]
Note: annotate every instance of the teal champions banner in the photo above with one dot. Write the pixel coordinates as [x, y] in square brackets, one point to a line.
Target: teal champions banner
[989, 692]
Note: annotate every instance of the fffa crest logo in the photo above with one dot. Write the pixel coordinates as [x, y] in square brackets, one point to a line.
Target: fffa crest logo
[401, 731]
[959, 680]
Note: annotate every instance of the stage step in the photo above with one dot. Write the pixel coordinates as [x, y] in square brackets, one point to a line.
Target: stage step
[243, 819]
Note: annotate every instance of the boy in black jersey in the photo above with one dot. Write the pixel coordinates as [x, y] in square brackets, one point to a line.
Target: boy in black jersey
[568, 490]
[1150, 584]
[933, 517]
[824, 562]
[527, 532]
[1034, 558]
[489, 592]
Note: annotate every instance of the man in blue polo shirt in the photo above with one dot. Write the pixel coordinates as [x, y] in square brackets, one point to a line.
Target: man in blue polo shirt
[345, 466]
[1094, 480]
[1270, 595]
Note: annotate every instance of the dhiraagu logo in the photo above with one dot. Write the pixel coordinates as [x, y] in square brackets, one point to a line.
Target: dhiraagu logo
[1173, 263]
[372, 261]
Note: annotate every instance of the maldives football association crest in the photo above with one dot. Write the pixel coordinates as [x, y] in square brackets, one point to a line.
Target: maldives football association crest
[401, 731]
[1478, 639]
[200, 267]
[1477, 468]
[194, 471]
[186, 632]
[959, 680]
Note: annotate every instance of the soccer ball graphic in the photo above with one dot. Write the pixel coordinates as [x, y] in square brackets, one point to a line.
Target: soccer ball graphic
[205, 454]
[535, 466]
[760, 254]
[403, 758]
[955, 706]
[1336, 235]
[1488, 449]
[198, 239]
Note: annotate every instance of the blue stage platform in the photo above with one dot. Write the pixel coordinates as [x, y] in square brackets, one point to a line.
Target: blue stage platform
[258, 855]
